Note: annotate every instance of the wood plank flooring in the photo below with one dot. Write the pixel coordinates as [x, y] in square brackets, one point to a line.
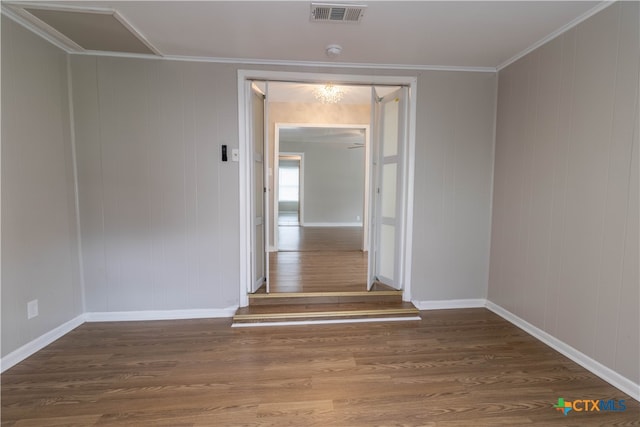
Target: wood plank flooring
[324, 271]
[318, 259]
[303, 239]
[453, 368]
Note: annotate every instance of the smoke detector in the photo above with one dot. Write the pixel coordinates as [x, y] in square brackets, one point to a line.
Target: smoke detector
[338, 13]
[333, 50]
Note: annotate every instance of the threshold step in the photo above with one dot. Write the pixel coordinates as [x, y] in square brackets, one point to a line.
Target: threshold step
[302, 312]
[282, 298]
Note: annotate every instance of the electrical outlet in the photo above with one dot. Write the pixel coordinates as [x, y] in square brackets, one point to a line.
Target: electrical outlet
[358, 218]
[32, 309]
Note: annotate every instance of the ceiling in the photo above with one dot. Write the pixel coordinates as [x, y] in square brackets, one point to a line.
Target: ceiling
[392, 34]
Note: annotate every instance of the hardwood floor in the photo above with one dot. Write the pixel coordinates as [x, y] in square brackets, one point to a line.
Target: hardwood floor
[453, 368]
[318, 271]
[313, 239]
[318, 259]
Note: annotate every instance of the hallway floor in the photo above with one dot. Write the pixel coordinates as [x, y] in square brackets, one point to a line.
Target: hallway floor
[318, 259]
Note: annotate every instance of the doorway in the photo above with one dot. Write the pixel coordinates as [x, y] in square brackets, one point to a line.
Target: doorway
[322, 249]
[402, 179]
[332, 178]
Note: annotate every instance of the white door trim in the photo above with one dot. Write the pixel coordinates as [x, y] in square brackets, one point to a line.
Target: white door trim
[244, 164]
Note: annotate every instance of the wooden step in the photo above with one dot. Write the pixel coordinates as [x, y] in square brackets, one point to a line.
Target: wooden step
[320, 311]
[286, 298]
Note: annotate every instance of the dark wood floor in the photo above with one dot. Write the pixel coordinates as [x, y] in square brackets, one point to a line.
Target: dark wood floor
[318, 259]
[453, 368]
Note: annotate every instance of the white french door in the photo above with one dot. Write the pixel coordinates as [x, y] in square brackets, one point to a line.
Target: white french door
[259, 264]
[388, 189]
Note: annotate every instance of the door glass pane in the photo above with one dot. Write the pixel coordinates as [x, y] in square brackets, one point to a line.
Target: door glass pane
[387, 250]
[390, 128]
[259, 272]
[259, 188]
[389, 175]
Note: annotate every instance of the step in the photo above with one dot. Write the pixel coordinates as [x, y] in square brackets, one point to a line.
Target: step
[285, 298]
[315, 312]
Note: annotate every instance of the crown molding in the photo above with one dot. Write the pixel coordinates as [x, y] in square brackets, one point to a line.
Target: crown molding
[285, 63]
[588, 14]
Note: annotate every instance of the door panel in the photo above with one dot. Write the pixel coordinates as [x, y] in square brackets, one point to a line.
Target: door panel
[387, 251]
[388, 190]
[390, 127]
[389, 149]
[258, 254]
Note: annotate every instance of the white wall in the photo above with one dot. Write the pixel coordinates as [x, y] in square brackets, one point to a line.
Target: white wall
[453, 172]
[159, 208]
[40, 258]
[333, 181]
[564, 253]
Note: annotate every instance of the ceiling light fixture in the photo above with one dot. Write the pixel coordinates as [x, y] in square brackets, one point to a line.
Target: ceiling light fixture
[328, 94]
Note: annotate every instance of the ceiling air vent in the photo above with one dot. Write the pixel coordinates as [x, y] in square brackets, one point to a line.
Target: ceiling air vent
[331, 12]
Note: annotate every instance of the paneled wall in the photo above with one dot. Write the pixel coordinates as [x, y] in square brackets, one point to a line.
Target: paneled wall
[40, 258]
[159, 210]
[453, 172]
[158, 207]
[564, 253]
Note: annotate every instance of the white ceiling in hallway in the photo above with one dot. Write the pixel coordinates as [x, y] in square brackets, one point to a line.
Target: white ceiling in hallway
[391, 33]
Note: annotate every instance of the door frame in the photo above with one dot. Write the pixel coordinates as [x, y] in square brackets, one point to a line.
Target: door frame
[244, 168]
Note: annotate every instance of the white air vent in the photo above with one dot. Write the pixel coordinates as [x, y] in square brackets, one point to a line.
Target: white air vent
[329, 12]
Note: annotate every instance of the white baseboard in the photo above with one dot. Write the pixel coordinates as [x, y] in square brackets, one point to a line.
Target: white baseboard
[332, 224]
[450, 303]
[44, 340]
[597, 368]
[124, 316]
[39, 343]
